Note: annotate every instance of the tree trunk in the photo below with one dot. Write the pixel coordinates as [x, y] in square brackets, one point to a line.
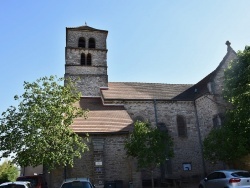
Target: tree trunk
[152, 179]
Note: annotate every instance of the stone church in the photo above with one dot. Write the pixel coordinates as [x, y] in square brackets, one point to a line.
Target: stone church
[188, 112]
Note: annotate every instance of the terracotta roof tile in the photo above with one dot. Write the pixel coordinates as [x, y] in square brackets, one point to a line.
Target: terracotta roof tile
[140, 91]
[101, 118]
[149, 91]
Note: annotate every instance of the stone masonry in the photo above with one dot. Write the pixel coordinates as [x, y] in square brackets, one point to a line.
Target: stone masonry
[89, 79]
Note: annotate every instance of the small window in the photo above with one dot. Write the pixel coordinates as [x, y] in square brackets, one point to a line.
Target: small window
[89, 59]
[83, 61]
[210, 86]
[138, 118]
[91, 43]
[162, 126]
[218, 120]
[181, 126]
[81, 42]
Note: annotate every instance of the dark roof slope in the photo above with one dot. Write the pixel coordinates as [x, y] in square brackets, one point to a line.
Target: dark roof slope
[196, 90]
[201, 88]
[102, 118]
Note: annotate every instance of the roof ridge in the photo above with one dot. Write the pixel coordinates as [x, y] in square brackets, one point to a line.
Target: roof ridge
[209, 76]
[86, 27]
[151, 83]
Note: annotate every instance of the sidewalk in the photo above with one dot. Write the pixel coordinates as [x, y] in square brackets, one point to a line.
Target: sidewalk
[190, 185]
[183, 185]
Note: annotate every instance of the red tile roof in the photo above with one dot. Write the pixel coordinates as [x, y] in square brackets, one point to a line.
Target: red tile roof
[149, 91]
[142, 91]
[102, 118]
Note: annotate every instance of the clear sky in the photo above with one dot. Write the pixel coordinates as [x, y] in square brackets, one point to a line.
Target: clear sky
[160, 41]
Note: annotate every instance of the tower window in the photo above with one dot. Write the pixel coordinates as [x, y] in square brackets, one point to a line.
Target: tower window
[89, 59]
[83, 61]
[181, 126]
[91, 43]
[81, 42]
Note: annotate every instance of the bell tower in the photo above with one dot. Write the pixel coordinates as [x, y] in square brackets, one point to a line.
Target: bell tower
[86, 59]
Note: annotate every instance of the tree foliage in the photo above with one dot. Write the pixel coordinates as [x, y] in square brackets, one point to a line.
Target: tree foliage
[225, 145]
[150, 146]
[232, 140]
[8, 172]
[37, 130]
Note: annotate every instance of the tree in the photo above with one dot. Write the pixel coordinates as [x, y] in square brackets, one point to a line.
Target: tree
[224, 144]
[234, 134]
[8, 172]
[150, 146]
[38, 131]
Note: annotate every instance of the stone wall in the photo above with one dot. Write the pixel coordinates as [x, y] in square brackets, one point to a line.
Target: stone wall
[86, 83]
[73, 56]
[207, 108]
[115, 164]
[186, 150]
[210, 105]
[74, 35]
[219, 82]
[219, 77]
[88, 79]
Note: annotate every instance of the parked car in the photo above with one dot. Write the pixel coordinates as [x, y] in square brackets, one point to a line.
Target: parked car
[226, 179]
[77, 183]
[37, 181]
[16, 184]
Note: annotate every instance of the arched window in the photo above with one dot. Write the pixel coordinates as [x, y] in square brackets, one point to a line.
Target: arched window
[83, 61]
[91, 43]
[89, 59]
[181, 126]
[81, 42]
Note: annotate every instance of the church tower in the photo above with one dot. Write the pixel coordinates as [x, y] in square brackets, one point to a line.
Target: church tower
[86, 59]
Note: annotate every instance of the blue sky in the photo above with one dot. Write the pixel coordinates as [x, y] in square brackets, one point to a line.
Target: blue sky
[161, 41]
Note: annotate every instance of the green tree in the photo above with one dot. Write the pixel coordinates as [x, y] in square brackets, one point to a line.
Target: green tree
[8, 172]
[38, 131]
[234, 134]
[150, 146]
[224, 144]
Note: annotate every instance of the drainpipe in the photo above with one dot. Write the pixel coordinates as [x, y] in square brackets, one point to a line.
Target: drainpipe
[156, 118]
[200, 140]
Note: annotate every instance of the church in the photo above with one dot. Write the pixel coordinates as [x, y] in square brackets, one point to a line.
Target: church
[187, 111]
